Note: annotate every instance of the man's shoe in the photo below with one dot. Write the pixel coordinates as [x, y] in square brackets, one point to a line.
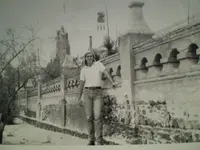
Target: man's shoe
[91, 143]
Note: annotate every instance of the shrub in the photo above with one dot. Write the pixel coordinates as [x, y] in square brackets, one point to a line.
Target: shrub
[110, 109]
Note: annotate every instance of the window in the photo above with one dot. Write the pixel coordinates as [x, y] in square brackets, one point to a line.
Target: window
[143, 64]
[157, 62]
[173, 58]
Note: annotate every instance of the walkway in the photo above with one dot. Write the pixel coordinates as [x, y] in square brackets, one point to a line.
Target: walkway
[24, 133]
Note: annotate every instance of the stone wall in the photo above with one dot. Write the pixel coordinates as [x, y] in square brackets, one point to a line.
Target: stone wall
[75, 116]
[171, 99]
[32, 102]
[50, 99]
[166, 87]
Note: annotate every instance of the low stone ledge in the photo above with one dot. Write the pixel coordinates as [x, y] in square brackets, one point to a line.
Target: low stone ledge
[169, 77]
[168, 135]
[125, 134]
[47, 126]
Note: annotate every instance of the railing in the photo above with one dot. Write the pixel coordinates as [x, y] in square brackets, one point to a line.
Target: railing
[52, 86]
[56, 80]
[178, 26]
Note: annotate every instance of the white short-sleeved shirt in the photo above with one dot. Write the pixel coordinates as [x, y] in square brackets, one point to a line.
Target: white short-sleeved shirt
[92, 74]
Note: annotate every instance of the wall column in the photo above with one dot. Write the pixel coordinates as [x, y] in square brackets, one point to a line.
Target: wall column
[127, 70]
[38, 111]
[63, 101]
[138, 31]
[26, 103]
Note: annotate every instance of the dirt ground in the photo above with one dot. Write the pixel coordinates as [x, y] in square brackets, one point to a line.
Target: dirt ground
[25, 134]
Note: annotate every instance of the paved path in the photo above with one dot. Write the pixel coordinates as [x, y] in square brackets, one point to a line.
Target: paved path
[26, 134]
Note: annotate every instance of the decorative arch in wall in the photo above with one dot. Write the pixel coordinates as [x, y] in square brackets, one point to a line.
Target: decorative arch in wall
[192, 49]
[173, 58]
[157, 62]
[192, 53]
[118, 72]
[143, 66]
[110, 71]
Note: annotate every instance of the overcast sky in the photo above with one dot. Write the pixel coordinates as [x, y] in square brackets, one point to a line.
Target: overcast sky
[79, 19]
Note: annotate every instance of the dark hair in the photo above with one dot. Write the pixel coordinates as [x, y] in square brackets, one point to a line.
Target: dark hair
[93, 57]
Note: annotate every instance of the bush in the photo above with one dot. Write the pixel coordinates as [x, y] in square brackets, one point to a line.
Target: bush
[110, 109]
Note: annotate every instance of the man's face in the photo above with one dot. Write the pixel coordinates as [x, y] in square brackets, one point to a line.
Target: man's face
[89, 58]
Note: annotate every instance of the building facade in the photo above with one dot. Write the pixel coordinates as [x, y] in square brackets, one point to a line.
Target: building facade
[157, 97]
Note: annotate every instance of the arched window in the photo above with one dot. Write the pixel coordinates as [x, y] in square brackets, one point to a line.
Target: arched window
[192, 53]
[72, 84]
[69, 84]
[173, 55]
[157, 62]
[173, 58]
[110, 71]
[192, 50]
[118, 73]
[143, 64]
[157, 59]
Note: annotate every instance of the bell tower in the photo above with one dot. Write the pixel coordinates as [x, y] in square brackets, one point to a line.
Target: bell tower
[62, 44]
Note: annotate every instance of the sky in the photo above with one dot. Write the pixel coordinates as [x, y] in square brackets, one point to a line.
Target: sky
[79, 19]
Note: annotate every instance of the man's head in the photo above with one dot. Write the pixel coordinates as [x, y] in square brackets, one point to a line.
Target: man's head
[89, 58]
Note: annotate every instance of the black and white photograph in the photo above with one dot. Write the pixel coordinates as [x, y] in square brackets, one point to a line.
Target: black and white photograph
[99, 73]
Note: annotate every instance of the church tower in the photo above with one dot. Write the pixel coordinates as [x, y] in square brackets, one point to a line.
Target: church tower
[62, 44]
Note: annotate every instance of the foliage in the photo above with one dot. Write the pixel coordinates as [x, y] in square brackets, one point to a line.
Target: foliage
[52, 71]
[11, 66]
[109, 44]
[110, 118]
[7, 88]
[110, 109]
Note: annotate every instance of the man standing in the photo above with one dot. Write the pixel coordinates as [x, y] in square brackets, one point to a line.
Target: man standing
[90, 81]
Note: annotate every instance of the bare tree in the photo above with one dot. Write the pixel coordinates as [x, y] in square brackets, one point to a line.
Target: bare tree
[10, 65]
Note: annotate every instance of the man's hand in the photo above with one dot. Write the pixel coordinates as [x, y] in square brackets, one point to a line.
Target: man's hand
[80, 103]
[110, 79]
[114, 84]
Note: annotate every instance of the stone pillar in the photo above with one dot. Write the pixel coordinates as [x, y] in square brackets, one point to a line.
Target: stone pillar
[127, 66]
[62, 85]
[63, 101]
[63, 112]
[26, 103]
[137, 32]
[69, 68]
[38, 111]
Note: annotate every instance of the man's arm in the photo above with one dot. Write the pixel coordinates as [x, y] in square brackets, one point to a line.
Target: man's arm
[109, 77]
[82, 83]
[81, 89]
[104, 71]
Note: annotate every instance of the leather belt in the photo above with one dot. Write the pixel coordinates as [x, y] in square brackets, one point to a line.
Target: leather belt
[93, 88]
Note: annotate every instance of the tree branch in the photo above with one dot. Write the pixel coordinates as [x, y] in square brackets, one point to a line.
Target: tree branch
[15, 93]
[17, 55]
[8, 46]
